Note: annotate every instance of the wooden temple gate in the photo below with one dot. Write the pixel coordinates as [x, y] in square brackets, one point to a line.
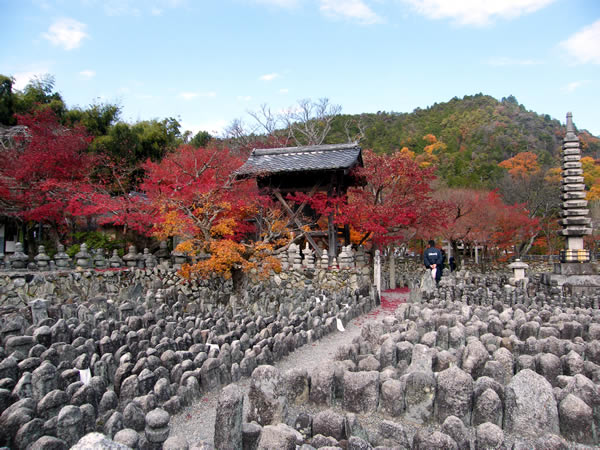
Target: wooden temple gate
[310, 169]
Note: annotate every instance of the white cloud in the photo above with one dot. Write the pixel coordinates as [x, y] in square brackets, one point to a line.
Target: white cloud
[244, 98]
[66, 33]
[505, 61]
[284, 91]
[476, 12]
[584, 46]
[87, 73]
[574, 85]
[268, 77]
[22, 78]
[156, 11]
[356, 10]
[193, 95]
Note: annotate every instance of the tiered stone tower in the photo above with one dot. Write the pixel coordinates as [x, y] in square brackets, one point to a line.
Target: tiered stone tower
[575, 273]
[575, 215]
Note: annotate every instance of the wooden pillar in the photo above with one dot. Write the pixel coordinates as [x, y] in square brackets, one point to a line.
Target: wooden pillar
[332, 236]
[331, 231]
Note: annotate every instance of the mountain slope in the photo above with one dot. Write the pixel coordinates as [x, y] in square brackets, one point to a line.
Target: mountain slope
[473, 135]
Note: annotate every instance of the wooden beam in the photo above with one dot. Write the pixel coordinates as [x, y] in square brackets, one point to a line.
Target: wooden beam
[303, 204]
[298, 223]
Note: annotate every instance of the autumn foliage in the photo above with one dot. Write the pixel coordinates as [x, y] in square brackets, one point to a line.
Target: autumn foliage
[481, 218]
[521, 165]
[46, 172]
[198, 200]
[391, 203]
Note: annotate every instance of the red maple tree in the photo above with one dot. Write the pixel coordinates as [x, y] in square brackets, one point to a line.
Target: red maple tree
[45, 172]
[391, 204]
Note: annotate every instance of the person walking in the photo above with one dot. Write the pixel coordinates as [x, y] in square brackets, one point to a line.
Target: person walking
[433, 260]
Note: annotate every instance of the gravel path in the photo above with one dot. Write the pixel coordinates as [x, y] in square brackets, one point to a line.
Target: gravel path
[196, 423]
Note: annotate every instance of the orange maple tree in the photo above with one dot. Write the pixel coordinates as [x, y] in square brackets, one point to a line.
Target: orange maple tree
[214, 214]
[522, 164]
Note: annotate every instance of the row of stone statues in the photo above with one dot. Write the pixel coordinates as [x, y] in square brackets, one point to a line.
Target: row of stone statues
[85, 259]
[294, 258]
[347, 259]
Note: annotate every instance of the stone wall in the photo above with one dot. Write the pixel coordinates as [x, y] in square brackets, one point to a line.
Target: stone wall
[18, 288]
[475, 363]
[120, 351]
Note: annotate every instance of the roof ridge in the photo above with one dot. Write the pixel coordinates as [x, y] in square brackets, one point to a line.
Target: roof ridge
[303, 149]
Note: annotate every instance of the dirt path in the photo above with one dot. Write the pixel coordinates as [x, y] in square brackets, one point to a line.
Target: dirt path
[196, 423]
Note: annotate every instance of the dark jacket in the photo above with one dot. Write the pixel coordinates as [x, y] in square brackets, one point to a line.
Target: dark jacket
[432, 256]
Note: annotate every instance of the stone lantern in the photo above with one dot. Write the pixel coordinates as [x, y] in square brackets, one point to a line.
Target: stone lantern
[518, 268]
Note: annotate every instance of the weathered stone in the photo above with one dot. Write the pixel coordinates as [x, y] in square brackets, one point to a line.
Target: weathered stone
[322, 385]
[419, 395]
[178, 443]
[97, 441]
[114, 424]
[157, 426]
[576, 420]
[268, 402]
[454, 395]
[489, 436]
[426, 440]
[488, 408]
[456, 429]
[357, 443]
[361, 391]
[392, 398]
[474, 358]
[51, 404]
[49, 443]
[28, 433]
[395, 432]
[329, 423]
[127, 437]
[69, 425]
[250, 435]
[550, 367]
[228, 420]
[280, 437]
[13, 418]
[134, 417]
[43, 380]
[296, 385]
[530, 407]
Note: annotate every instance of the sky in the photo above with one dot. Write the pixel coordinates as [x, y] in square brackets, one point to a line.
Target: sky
[209, 62]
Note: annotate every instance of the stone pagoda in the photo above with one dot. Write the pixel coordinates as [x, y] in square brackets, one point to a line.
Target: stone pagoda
[575, 215]
[574, 270]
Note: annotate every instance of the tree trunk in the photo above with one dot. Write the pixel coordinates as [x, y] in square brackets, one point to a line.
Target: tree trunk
[239, 280]
[392, 262]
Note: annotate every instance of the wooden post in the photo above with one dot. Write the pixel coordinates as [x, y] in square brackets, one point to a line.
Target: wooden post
[332, 238]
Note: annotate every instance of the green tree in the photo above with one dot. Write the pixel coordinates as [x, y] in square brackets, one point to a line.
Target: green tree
[39, 94]
[200, 139]
[96, 118]
[7, 101]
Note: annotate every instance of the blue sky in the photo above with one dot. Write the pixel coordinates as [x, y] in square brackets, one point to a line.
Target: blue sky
[208, 62]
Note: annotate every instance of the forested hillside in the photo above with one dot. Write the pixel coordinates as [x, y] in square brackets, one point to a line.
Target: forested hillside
[465, 138]
[496, 165]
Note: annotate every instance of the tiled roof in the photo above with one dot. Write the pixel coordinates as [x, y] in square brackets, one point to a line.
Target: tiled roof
[300, 159]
